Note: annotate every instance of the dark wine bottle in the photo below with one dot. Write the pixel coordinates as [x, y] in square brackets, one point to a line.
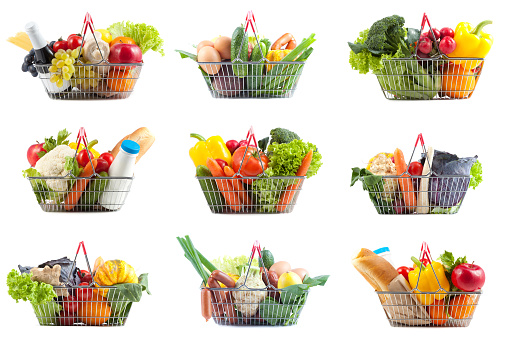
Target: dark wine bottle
[43, 54]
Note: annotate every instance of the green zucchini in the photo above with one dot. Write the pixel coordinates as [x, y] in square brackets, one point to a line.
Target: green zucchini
[254, 81]
[239, 40]
[94, 190]
[209, 187]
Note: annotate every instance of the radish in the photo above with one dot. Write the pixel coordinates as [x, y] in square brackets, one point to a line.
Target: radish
[447, 45]
[425, 46]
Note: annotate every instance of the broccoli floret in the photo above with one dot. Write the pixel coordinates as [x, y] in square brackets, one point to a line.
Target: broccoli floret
[282, 136]
[387, 36]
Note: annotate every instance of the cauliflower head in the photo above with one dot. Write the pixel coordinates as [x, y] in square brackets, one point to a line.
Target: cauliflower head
[382, 164]
[53, 165]
[246, 300]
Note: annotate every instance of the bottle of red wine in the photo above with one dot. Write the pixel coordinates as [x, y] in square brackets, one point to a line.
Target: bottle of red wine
[43, 54]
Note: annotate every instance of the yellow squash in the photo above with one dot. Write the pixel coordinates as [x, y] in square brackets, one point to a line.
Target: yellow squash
[114, 272]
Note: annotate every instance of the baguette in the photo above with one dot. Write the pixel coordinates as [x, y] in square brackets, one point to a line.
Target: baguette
[422, 198]
[142, 136]
[375, 269]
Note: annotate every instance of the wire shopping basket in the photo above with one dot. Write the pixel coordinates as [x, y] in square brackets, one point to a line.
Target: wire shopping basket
[438, 77]
[249, 195]
[251, 79]
[92, 80]
[430, 193]
[91, 305]
[81, 194]
[244, 306]
[429, 309]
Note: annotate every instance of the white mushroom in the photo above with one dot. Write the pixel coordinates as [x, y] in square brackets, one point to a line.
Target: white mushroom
[97, 51]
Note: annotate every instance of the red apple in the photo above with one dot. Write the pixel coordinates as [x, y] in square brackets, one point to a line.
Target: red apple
[125, 54]
[468, 277]
[32, 153]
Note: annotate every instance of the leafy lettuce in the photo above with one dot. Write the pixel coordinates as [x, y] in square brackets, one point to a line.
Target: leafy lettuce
[21, 287]
[231, 265]
[146, 36]
[285, 159]
[476, 175]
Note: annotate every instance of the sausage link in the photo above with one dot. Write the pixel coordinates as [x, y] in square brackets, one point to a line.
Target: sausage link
[217, 297]
[206, 304]
[223, 278]
[286, 39]
[230, 309]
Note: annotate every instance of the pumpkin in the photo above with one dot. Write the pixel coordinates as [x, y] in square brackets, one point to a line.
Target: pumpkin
[95, 311]
[114, 272]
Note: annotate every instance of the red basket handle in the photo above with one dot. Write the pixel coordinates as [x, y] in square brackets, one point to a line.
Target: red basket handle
[80, 245]
[256, 248]
[419, 137]
[425, 253]
[249, 21]
[88, 23]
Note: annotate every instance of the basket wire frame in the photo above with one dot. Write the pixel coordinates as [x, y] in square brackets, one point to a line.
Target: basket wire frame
[445, 192]
[259, 200]
[93, 82]
[244, 306]
[399, 84]
[282, 81]
[97, 311]
[403, 309]
[54, 201]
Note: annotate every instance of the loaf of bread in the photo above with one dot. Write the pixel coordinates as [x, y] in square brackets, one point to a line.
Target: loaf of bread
[142, 136]
[375, 269]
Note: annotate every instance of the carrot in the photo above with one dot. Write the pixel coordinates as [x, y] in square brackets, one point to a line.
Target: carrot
[238, 187]
[287, 196]
[405, 185]
[79, 186]
[226, 188]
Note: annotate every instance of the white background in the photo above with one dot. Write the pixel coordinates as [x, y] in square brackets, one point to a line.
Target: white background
[344, 113]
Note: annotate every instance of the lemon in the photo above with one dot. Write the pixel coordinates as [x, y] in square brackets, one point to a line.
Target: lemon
[288, 279]
[105, 35]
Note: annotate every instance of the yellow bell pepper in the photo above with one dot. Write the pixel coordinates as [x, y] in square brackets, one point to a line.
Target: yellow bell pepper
[276, 55]
[471, 43]
[91, 144]
[428, 282]
[213, 147]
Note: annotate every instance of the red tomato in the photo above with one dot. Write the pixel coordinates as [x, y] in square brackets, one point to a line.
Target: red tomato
[415, 168]
[70, 305]
[84, 293]
[252, 166]
[60, 44]
[83, 159]
[102, 166]
[74, 41]
[221, 163]
[108, 157]
[85, 276]
[403, 270]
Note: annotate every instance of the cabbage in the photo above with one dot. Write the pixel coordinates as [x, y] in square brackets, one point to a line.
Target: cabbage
[231, 265]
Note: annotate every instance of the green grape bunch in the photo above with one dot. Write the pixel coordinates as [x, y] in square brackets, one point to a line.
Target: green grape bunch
[62, 66]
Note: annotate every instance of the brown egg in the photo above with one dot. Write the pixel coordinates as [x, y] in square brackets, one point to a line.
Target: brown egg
[223, 45]
[301, 272]
[209, 54]
[203, 44]
[280, 267]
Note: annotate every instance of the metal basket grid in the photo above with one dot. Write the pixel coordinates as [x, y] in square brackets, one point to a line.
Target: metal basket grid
[281, 77]
[94, 82]
[261, 199]
[227, 303]
[92, 312]
[54, 201]
[403, 309]
[395, 82]
[447, 200]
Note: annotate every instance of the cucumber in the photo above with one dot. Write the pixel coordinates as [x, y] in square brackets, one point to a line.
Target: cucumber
[254, 82]
[94, 190]
[214, 198]
[237, 38]
[267, 258]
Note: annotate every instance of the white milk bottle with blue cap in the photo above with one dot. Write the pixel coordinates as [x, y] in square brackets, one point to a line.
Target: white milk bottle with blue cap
[385, 253]
[123, 166]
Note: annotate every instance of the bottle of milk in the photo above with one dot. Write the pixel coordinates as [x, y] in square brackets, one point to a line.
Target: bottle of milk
[123, 166]
[385, 253]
